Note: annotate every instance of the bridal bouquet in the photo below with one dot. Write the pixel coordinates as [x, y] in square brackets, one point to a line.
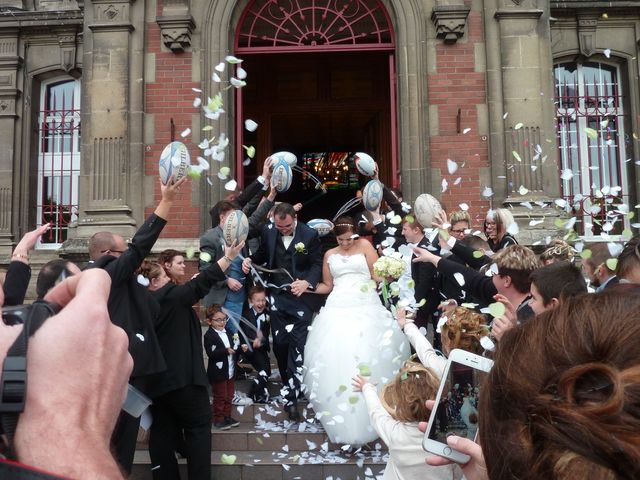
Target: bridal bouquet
[390, 269]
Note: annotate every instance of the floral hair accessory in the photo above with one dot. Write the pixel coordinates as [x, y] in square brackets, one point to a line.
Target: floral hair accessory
[441, 322]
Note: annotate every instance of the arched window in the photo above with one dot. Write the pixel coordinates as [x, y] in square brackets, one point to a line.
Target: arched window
[58, 158]
[591, 140]
[299, 25]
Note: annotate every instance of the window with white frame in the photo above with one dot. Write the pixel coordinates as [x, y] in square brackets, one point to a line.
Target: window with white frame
[58, 158]
[591, 141]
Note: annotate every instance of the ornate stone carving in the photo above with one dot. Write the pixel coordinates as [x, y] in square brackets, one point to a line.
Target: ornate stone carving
[587, 30]
[450, 21]
[176, 31]
[67, 42]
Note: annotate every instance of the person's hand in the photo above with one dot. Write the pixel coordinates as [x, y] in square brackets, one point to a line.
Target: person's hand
[401, 317]
[500, 326]
[257, 343]
[297, 207]
[233, 284]
[298, 287]
[27, 242]
[231, 351]
[272, 193]
[233, 250]
[447, 304]
[424, 255]
[358, 382]
[78, 369]
[474, 469]
[266, 168]
[171, 189]
[246, 265]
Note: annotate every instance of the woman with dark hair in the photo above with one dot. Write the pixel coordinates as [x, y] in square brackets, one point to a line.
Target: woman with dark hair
[172, 261]
[353, 332]
[180, 397]
[564, 398]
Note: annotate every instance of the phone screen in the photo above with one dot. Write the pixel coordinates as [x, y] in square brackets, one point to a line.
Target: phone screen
[457, 411]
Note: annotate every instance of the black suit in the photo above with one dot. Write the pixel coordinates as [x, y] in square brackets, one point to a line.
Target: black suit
[16, 283]
[425, 276]
[180, 397]
[291, 315]
[259, 357]
[132, 308]
[218, 363]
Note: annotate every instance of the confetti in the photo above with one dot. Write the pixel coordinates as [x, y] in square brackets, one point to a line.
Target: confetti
[445, 184]
[250, 125]
[185, 133]
[231, 185]
[516, 155]
[612, 263]
[241, 73]
[459, 278]
[228, 459]
[518, 126]
[487, 192]
[224, 173]
[232, 60]
[464, 207]
[220, 67]
[466, 130]
[523, 190]
[591, 133]
[451, 166]
[567, 174]
[497, 309]
[607, 51]
[197, 102]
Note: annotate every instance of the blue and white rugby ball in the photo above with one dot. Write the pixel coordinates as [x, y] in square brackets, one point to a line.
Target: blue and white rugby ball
[288, 157]
[282, 176]
[425, 208]
[365, 164]
[320, 225]
[372, 195]
[174, 160]
[235, 227]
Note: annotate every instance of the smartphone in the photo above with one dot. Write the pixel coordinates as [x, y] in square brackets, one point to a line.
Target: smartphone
[456, 407]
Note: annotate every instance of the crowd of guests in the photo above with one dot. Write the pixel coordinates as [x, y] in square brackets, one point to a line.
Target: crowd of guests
[561, 401]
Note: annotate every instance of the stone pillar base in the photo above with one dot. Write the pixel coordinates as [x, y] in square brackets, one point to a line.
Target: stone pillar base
[115, 219]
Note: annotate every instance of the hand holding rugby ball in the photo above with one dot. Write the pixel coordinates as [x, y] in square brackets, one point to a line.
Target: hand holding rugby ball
[235, 228]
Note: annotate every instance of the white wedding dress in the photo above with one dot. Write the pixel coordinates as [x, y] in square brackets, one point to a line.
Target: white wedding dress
[353, 332]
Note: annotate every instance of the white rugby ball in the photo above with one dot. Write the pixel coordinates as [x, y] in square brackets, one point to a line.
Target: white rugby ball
[288, 157]
[235, 227]
[425, 208]
[282, 176]
[174, 160]
[320, 225]
[365, 164]
[372, 195]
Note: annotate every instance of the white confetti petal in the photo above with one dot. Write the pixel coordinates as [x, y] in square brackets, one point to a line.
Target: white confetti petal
[487, 192]
[561, 202]
[142, 280]
[289, 327]
[216, 78]
[197, 90]
[567, 174]
[232, 60]
[140, 337]
[464, 207]
[607, 52]
[250, 125]
[185, 133]
[220, 67]
[237, 82]
[466, 130]
[457, 181]
[445, 184]
[523, 190]
[241, 73]
[231, 185]
[451, 166]
[533, 223]
[506, 114]
[459, 278]
[197, 102]
[247, 161]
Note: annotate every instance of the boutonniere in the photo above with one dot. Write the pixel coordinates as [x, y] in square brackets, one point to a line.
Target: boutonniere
[300, 247]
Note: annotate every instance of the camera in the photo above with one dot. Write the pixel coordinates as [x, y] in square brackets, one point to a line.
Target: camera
[34, 314]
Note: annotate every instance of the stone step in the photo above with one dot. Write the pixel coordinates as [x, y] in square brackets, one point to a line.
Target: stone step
[316, 464]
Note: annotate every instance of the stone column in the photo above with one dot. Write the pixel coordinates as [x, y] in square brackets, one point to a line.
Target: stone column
[10, 66]
[109, 173]
[529, 127]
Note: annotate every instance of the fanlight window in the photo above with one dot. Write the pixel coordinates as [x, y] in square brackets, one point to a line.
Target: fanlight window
[297, 25]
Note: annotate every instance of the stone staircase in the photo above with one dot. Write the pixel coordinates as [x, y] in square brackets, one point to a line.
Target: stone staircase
[267, 446]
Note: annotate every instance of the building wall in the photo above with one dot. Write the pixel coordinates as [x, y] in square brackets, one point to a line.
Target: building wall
[139, 61]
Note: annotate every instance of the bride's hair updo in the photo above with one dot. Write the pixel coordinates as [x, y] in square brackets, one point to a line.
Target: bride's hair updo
[404, 396]
[344, 225]
[463, 329]
[564, 393]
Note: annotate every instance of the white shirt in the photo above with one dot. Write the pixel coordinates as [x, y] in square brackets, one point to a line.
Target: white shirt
[287, 239]
[225, 340]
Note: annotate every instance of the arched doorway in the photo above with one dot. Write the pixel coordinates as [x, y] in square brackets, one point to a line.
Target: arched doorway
[322, 86]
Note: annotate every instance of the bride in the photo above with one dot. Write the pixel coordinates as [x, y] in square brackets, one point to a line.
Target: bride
[352, 334]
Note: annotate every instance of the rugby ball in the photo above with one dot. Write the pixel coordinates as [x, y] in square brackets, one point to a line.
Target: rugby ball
[235, 227]
[372, 195]
[288, 157]
[174, 160]
[425, 208]
[365, 164]
[320, 225]
[282, 176]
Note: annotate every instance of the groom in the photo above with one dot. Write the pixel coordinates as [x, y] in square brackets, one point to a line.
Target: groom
[292, 246]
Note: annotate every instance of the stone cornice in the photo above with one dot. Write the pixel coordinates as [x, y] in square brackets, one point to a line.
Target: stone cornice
[590, 4]
[518, 14]
[176, 31]
[40, 18]
[450, 21]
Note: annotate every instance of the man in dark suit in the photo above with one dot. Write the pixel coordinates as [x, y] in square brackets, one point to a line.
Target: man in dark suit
[425, 276]
[133, 309]
[293, 250]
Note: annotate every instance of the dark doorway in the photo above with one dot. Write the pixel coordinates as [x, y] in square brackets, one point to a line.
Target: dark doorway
[321, 107]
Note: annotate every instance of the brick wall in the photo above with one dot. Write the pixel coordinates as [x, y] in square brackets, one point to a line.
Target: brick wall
[170, 96]
[457, 85]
